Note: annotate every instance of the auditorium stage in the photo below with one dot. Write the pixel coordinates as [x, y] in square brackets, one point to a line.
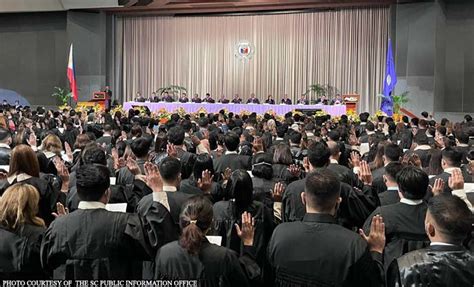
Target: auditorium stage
[336, 110]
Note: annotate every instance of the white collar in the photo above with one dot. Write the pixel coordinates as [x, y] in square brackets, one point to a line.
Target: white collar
[331, 160]
[450, 169]
[279, 139]
[441, 243]
[370, 133]
[106, 135]
[463, 145]
[392, 188]
[231, 152]
[169, 188]
[91, 205]
[4, 145]
[423, 147]
[411, 201]
[18, 177]
[49, 154]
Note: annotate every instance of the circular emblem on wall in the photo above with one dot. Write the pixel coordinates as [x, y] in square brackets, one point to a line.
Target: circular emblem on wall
[244, 50]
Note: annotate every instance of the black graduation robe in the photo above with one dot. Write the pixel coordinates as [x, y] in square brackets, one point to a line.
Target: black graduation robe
[319, 252]
[95, 244]
[404, 228]
[356, 204]
[226, 215]
[189, 186]
[20, 253]
[436, 265]
[214, 265]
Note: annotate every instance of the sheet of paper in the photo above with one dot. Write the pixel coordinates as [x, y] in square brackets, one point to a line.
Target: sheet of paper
[217, 240]
[364, 148]
[116, 207]
[469, 187]
[5, 167]
[113, 180]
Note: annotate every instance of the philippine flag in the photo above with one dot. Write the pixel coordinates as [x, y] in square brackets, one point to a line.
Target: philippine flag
[71, 75]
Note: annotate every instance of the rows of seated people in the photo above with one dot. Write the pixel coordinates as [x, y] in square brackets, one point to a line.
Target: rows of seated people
[236, 201]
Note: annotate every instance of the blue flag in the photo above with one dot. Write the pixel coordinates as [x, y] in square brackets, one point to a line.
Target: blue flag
[389, 82]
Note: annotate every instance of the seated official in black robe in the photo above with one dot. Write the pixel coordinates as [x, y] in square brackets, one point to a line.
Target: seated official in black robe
[286, 101]
[236, 100]
[445, 262]
[194, 258]
[303, 101]
[239, 191]
[183, 99]
[196, 99]
[405, 221]
[270, 100]
[91, 242]
[223, 100]
[253, 100]
[20, 241]
[319, 252]
[209, 99]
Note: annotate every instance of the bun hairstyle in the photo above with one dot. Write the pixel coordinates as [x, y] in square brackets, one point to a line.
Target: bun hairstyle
[195, 220]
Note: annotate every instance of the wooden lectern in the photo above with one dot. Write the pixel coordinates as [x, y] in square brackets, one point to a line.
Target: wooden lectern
[101, 99]
[351, 101]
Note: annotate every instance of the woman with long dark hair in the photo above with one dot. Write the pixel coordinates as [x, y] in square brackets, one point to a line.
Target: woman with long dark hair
[192, 257]
[239, 195]
[262, 179]
[24, 168]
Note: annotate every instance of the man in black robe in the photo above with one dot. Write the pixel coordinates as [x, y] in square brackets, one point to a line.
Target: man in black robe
[450, 160]
[231, 159]
[392, 153]
[390, 196]
[319, 252]
[91, 242]
[236, 99]
[209, 99]
[404, 221]
[445, 262]
[196, 99]
[253, 99]
[183, 98]
[286, 100]
[356, 204]
[303, 100]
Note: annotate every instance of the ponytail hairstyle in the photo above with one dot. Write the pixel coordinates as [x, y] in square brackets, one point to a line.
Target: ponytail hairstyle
[195, 220]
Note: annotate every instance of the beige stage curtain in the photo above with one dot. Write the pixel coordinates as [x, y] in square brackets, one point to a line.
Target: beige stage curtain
[345, 49]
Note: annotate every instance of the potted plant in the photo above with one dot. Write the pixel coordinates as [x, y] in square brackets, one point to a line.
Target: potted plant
[172, 89]
[398, 101]
[318, 89]
[62, 95]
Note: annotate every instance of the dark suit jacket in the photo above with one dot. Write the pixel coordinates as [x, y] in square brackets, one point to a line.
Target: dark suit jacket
[445, 177]
[389, 197]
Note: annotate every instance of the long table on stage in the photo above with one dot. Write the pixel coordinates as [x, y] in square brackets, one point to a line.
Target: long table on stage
[336, 110]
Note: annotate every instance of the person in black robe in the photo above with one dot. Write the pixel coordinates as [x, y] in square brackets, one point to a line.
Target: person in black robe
[390, 195]
[20, 241]
[239, 193]
[356, 204]
[223, 100]
[451, 160]
[270, 100]
[319, 252]
[139, 98]
[404, 221]
[194, 258]
[231, 159]
[91, 242]
[196, 99]
[262, 179]
[422, 149]
[209, 99]
[167, 98]
[392, 153]
[445, 262]
[184, 98]
[24, 168]
[195, 185]
[253, 99]
[286, 100]
[303, 100]
[236, 99]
